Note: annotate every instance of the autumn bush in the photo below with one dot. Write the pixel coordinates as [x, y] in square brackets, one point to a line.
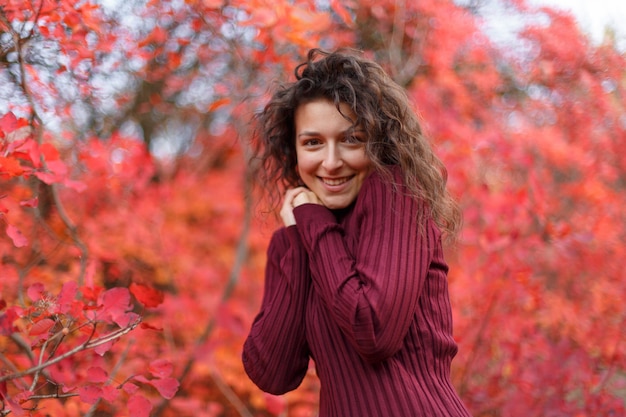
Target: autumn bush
[133, 246]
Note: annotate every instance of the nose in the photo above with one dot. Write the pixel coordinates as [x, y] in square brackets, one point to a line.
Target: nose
[332, 159]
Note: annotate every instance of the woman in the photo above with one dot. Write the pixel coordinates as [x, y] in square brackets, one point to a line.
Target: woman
[356, 280]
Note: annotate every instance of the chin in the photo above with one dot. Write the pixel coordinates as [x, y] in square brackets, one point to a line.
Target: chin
[337, 205]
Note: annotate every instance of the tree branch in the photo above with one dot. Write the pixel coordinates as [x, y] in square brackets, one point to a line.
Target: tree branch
[89, 344]
[230, 395]
[37, 124]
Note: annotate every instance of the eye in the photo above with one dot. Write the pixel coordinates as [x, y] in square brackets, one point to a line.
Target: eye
[354, 138]
[311, 142]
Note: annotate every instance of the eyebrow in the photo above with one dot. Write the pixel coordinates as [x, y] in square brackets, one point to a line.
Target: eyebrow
[308, 133]
[314, 133]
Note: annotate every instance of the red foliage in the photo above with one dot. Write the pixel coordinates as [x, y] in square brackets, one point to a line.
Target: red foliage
[128, 283]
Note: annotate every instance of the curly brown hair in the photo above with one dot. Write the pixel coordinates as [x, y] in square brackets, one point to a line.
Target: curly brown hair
[382, 108]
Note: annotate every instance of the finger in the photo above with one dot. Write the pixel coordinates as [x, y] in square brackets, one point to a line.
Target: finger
[286, 211]
[292, 193]
[306, 196]
[301, 198]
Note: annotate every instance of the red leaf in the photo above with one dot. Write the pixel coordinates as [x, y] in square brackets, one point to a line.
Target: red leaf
[219, 103]
[49, 152]
[6, 322]
[161, 368]
[66, 297]
[41, 327]
[97, 375]
[35, 291]
[147, 296]
[130, 388]
[115, 304]
[110, 393]
[91, 293]
[139, 406]
[47, 177]
[341, 10]
[103, 348]
[28, 147]
[22, 396]
[213, 4]
[8, 123]
[275, 404]
[147, 326]
[10, 167]
[14, 407]
[115, 301]
[262, 17]
[167, 387]
[64, 374]
[75, 185]
[19, 240]
[33, 202]
[90, 394]
[58, 167]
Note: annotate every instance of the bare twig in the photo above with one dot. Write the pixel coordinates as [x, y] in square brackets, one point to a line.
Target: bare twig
[89, 344]
[230, 395]
[10, 366]
[24, 347]
[60, 336]
[47, 396]
[17, 339]
[403, 65]
[612, 363]
[240, 256]
[397, 35]
[480, 335]
[37, 124]
[112, 374]
[71, 226]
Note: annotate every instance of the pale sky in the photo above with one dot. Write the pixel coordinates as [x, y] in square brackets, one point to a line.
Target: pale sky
[595, 15]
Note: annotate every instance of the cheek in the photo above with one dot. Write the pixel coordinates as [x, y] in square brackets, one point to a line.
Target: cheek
[362, 163]
[304, 164]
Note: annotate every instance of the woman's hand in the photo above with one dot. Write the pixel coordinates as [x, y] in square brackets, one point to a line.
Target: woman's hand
[295, 197]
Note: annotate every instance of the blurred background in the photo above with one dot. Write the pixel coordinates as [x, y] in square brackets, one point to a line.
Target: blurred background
[125, 132]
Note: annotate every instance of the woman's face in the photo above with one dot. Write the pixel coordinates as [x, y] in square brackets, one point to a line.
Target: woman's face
[331, 158]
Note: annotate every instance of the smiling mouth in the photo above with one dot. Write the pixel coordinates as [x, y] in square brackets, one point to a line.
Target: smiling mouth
[336, 181]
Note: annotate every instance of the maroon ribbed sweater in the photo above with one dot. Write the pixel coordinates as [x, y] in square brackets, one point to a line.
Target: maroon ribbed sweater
[364, 293]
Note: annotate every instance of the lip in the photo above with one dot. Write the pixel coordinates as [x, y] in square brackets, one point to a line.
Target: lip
[336, 184]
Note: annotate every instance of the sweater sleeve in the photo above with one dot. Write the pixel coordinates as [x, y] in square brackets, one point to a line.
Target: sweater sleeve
[373, 291]
[275, 353]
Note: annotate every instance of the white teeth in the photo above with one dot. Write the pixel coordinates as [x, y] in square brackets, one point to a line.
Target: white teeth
[335, 181]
